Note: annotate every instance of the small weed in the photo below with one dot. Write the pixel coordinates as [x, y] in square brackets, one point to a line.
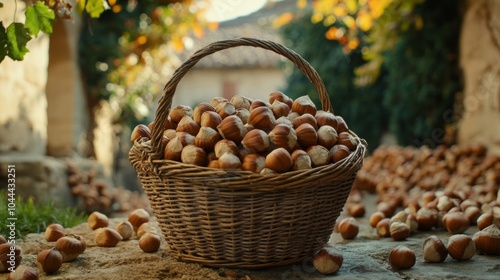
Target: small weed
[33, 217]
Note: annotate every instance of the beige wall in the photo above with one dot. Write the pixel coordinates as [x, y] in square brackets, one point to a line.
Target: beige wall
[23, 105]
[201, 85]
[480, 57]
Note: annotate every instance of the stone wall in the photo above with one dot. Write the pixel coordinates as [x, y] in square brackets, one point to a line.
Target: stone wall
[23, 106]
[479, 58]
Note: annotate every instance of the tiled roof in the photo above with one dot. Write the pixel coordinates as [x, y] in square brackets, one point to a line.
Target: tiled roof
[257, 25]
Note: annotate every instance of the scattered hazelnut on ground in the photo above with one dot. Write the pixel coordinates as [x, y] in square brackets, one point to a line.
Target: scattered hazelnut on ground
[107, 237]
[24, 272]
[149, 242]
[49, 260]
[487, 241]
[348, 228]
[138, 217]
[70, 247]
[461, 247]
[54, 232]
[97, 220]
[327, 262]
[399, 231]
[455, 222]
[383, 227]
[402, 257]
[125, 229]
[375, 218]
[434, 250]
[356, 209]
[5, 249]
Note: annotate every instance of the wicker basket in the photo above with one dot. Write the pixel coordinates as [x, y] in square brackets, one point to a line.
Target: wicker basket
[238, 218]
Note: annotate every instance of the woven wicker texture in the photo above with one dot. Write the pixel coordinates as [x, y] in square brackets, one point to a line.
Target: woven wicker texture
[238, 218]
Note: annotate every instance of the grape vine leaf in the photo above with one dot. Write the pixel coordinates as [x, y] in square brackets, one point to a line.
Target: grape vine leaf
[3, 42]
[39, 17]
[95, 7]
[18, 37]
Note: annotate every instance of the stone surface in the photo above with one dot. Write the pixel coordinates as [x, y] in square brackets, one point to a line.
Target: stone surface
[365, 257]
[479, 56]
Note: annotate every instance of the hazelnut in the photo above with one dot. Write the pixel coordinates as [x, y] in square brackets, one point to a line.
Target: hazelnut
[268, 172]
[232, 128]
[243, 114]
[356, 209]
[402, 257]
[200, 109]
[254, 163]
[487, 241]
[375, 218]
[383, 227]
[326, 262]
[306, 135]
[472, 213]
[107, 237]
[305, 118]
[341, 125]
[256, 141]
[284, 120]
[279, 109]
[241, 102]
[49, 260]
[149, 242]
[225, 109]
[301, 160]
[97, 220]
[445, 203]
[346, 139]
[213, 164]
[326, 118]
[461, 247]
[485, 220]
[192, 154]
[399, 231]
[188, 125]
[327, 136]
[348, 228]
[455, 222]
[303, 105]
[257, 103]
[125, 229]
[138, 217]
[399, 217]
[216, 100]
[283, 136]
[426, 218]
[185, 137]
[210, 119]
[262, 118]
[54, 232]
[206, 138]
[434, 250]
[225, 146]
[144, 228]
[279, 96]
[178, 112]
[411, 221]
[339, 152]
[24, 272]
[319, 155]
[139, 132]
[70, 247]
[279, 160]
[6, 260]
[229, 161]
[173, 149]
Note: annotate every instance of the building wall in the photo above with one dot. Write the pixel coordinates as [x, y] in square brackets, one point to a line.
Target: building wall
[23, 105]
[201, 85]
[480, 57]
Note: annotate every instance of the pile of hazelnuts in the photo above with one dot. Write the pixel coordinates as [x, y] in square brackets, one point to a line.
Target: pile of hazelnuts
[267, 137]
[420, 189]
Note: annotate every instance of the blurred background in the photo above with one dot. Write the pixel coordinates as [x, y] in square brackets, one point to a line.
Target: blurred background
[401, 72]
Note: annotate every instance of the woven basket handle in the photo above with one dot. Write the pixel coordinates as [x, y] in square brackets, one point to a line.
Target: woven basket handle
[168, 92]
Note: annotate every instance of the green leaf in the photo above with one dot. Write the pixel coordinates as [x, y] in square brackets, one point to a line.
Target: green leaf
[3, 42]
[39, 17]
[18, 37]
[95, 7]
[1, 6]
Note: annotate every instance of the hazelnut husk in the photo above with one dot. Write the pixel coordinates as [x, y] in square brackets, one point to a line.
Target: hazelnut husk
[327, 262]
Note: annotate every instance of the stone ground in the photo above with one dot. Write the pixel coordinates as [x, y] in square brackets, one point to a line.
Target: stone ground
[365, 257]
